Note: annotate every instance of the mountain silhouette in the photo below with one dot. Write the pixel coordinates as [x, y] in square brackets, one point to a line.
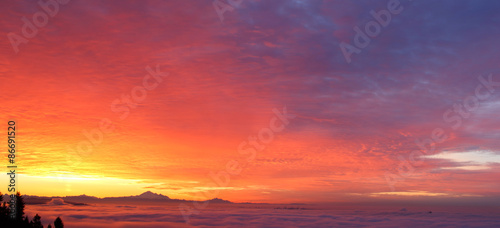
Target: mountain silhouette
[151, 195]
[85, 199]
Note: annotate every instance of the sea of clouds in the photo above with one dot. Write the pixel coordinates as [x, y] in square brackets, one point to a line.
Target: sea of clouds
[259, 215]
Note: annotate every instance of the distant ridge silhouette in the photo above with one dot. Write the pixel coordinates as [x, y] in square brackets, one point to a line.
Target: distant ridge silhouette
[85, 199]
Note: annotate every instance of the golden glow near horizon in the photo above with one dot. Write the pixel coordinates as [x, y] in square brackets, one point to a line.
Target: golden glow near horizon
[70, 185]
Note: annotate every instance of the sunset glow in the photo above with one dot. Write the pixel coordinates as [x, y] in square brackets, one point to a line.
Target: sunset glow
[116, 98]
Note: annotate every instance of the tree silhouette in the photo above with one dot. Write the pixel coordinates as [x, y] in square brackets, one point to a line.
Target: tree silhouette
[36, 222]
[58, 223]
[26, 222]
[19, 206]
[4, 213]
[21, 221]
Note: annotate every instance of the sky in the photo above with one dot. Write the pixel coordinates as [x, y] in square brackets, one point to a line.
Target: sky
[257, 104]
